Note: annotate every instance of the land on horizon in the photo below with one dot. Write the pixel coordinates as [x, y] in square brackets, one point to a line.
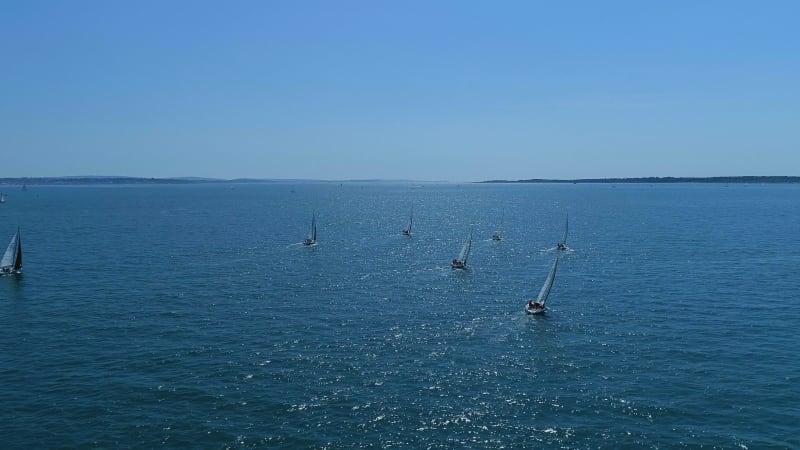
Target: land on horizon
[118, 180]
[648, 180]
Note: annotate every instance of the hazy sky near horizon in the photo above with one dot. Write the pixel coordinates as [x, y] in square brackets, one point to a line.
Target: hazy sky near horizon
[445, 90]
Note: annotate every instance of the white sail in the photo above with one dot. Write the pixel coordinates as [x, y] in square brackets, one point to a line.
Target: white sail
[498, 235]
[464, 254]
[566, 231]
[12, 254]
[461, 261]
[548, 284]
[407, 231]
[312, 233]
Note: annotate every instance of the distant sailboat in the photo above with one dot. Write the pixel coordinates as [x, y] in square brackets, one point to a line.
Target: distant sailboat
[2, 197]
[12, 258]
[498, 235]
[407, 231]
[563, 244]
[537, 306]
[312, 234]
[461, 261]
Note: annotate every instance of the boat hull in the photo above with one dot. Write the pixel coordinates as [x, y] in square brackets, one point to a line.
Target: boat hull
[535, 311]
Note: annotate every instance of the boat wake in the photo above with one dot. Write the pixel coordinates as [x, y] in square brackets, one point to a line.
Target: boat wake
[301, 244]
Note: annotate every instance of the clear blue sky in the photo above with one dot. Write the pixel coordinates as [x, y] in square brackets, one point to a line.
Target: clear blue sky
[456, 91]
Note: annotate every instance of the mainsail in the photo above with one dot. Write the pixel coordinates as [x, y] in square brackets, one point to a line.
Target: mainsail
[498, 235]
[548, 284]
[12, 258]
[464, 254]
[407, 231]
[312, 234]
[566, 231]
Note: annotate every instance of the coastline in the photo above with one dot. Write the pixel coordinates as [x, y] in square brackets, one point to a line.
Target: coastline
[114, 180]
[652, 180]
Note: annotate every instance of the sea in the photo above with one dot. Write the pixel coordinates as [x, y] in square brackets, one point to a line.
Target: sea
[191, 316]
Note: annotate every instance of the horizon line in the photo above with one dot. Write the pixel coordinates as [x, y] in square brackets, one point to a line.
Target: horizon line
[122, 179]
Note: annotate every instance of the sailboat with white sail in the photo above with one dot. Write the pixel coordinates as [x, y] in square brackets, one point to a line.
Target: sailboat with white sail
[11, 263]
[538, 306]
[563, 244]
[461, 261]
[498, 235]
[2, 197]
[407, 231]
[312, 234]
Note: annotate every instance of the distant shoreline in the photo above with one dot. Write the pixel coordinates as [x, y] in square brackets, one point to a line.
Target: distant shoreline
[113, 180]
[102, 180]
[99, 180]
[65, 181]
[652, 180]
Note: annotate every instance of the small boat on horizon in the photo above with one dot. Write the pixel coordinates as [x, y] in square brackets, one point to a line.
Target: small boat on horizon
[537, 306]
[312, 234]
[461, 261]
[2, 197]
[11, 263]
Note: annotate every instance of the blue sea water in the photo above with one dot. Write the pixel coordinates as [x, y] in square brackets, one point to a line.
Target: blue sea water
[190, 316]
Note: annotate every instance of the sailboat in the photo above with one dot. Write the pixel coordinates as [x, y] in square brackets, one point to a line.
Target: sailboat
[312, 235]
[497, 236]
[12, 258]
[537, 306]
[2, 197]
[461, 261]
[407, 231]
[563, 244]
